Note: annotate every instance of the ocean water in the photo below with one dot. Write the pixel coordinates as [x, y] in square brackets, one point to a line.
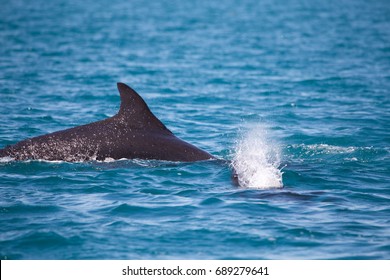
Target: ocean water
[294, 94]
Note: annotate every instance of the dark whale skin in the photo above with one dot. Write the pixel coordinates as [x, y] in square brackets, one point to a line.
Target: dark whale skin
[134, 132]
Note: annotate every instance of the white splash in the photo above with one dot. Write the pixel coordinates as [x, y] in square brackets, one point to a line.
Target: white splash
[257, 160]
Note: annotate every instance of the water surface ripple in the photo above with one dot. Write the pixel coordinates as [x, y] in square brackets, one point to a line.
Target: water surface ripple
[312, 76]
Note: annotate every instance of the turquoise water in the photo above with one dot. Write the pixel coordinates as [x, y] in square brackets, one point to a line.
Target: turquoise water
[295, 93]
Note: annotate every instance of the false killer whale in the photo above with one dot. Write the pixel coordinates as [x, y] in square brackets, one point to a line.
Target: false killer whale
[134, 132]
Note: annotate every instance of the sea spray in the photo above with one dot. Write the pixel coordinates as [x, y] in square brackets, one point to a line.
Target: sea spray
[256, 160]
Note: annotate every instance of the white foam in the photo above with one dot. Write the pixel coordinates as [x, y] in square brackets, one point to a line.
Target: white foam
[326, 149]
[329, 149]
[257, 159]
[6, 159]
[109, 159]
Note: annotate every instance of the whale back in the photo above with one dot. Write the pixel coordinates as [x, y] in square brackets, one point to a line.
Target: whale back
[134, 132]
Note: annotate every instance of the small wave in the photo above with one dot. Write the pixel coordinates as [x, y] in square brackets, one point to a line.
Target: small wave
[257, 159]
[6, 159]
[11, 159]
[108, 160]
[326, 149]
[346, 153]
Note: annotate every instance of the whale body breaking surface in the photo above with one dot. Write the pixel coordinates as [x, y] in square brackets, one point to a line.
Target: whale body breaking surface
[133, 133]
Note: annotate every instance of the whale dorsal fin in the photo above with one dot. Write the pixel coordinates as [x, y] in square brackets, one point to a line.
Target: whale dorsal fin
[134, 110]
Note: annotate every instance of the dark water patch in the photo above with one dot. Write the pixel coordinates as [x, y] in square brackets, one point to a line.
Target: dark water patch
[187, 192]
[156, 191]
[212, 201]
[290, 195]
[38, 243]
[30, 209]
[98, 189]
[150, 211]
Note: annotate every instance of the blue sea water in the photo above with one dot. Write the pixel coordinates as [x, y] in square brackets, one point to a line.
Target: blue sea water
[295, 93]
